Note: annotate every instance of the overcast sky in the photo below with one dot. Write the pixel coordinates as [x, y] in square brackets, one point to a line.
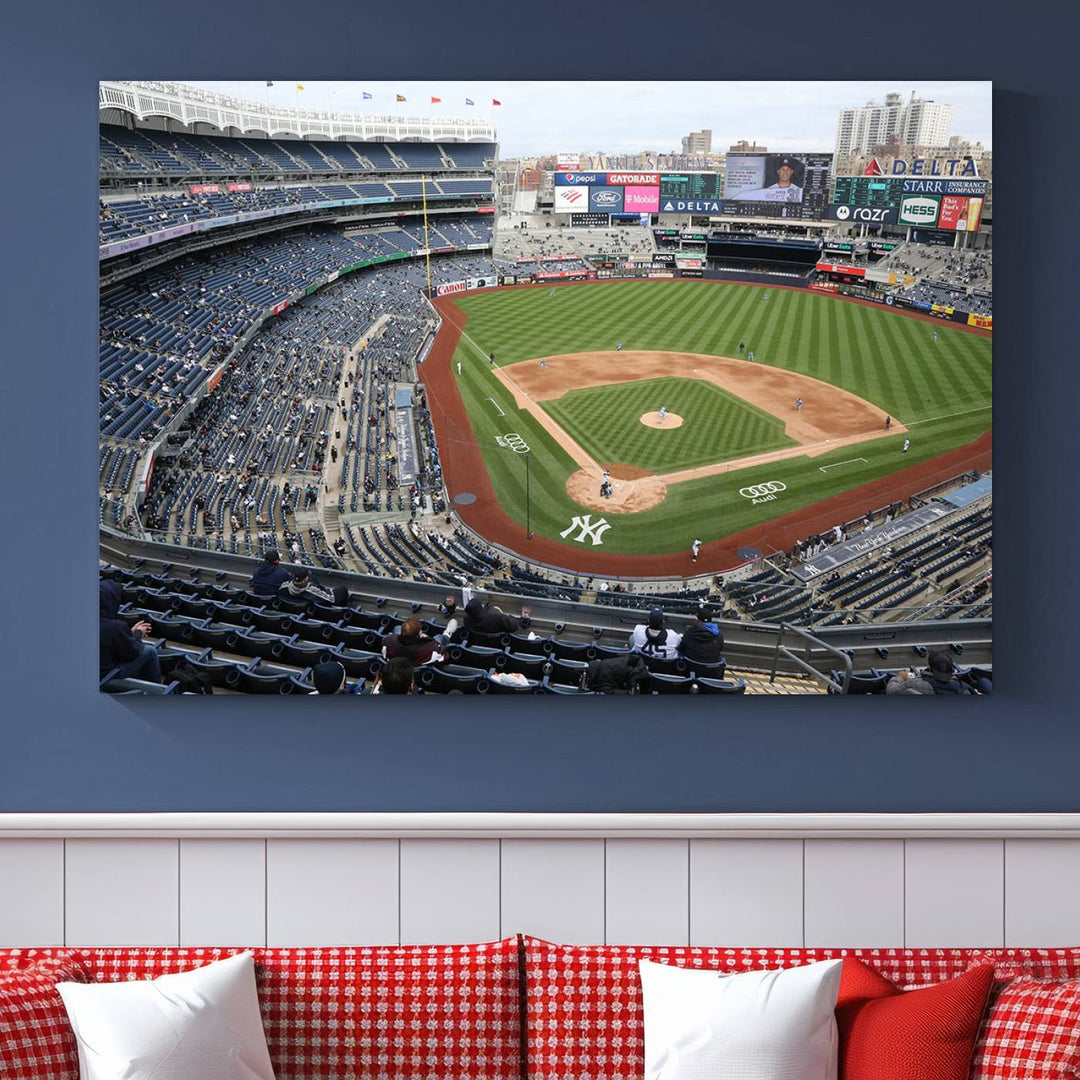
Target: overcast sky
[627, 117]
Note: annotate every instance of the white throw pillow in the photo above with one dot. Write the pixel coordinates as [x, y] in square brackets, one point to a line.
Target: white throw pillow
[201, 1024]
[757, 1025]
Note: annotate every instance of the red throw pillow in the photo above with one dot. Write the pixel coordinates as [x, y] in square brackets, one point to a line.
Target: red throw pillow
[1032, 1032]
[36, 1038]
[891, 1034]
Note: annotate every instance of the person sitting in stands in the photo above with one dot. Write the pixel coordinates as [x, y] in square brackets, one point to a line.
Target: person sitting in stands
[304, 587]
[329, 678]
[121, 646]
[411, 642]
[941, 674]
[654, 639]
[269, 575]
[485, 618]
[702, 641]
[907, 682]
[397, 676]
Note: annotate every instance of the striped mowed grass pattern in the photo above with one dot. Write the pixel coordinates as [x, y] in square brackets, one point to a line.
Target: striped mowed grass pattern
[940, 390]
[717, 426]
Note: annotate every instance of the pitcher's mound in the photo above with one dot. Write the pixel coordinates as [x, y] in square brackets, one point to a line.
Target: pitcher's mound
[652, 419]
[633, 490]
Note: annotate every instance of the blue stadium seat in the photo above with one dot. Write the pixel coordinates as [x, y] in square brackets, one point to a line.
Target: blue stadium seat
[721, 686]
[433, 680]
[659, 683]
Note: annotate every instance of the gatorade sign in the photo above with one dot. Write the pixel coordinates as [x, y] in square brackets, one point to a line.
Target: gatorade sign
[921, 210]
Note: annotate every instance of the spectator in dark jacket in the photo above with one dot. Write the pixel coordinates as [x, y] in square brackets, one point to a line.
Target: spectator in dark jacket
[617, 674]
[703, 640]
[941, 674]
[411, 642]
[907, 682]
[486, 618]
[269, 575]
[397, 677]
[122, 646]
[301, 586]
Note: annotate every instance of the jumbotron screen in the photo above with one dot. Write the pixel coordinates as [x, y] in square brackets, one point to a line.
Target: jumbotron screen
[777, 185]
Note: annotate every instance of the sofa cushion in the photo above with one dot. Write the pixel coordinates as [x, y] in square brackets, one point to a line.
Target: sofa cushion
[172, 1027]
[584, 1011]
[1034, 963]
[927, 1033]
[754, 1025]
[36, 1039]
[354, 1013]
[1031, 1032]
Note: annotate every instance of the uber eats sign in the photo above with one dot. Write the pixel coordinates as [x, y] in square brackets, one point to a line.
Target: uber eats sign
[919, 210]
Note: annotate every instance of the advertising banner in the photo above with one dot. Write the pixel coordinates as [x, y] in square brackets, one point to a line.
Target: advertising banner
[837, 268]
[572, 275]
[930, 186]
[577, 179]
[239, 185]
[985, 321]
[663, 258]
[205, 189]
[567, 161]
[888, 277]
[451, 287]
[690, 264]
[149, 473]
[642, 179]
[482, 282]
[661, 274]
[212, 382]
[606, 200]
[332, 277]
[921, 210]
[691, 206]
[868, 215]
[571, 199]
[641, 200]
[277, 309]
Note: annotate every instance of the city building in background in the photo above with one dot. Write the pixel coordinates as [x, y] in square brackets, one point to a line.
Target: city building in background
[915, 123]
[697, 142]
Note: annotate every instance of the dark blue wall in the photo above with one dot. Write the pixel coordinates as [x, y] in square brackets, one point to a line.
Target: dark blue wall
[64, 748]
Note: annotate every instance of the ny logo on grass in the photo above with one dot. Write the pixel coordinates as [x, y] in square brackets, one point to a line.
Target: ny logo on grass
[589, 530]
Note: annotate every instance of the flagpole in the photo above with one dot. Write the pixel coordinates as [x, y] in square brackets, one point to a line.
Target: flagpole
[427, 245]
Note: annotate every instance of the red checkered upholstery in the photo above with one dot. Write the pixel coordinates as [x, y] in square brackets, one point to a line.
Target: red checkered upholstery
[584, 1001]
[1031, 1032]
[384, 1013]
[1036, 963]
[36, 1039]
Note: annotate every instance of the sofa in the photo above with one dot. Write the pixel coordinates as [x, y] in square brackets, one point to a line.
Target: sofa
[517, 1009]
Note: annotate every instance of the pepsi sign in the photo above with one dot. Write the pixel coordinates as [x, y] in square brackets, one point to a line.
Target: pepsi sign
[578, 178]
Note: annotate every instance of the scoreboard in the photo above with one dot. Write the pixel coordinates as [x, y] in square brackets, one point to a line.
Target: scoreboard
[690, 185]
[879, 191]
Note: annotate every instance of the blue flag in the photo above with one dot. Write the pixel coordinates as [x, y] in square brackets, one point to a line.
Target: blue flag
[367, 96]
[469, 101]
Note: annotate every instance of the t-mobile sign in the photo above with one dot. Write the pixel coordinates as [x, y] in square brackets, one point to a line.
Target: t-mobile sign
[641, 200]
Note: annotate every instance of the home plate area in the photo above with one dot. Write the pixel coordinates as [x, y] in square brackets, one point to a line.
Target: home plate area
[632, 489]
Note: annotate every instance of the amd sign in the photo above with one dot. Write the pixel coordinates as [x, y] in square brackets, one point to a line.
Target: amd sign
[873, 215]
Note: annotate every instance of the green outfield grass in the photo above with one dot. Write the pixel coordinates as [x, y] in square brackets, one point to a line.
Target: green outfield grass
[606, 422]
[940, 390]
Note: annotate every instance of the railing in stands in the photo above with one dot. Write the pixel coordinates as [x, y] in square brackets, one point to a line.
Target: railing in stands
[803, 665]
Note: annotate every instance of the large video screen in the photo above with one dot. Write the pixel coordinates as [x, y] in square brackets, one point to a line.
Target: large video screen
[777, 185]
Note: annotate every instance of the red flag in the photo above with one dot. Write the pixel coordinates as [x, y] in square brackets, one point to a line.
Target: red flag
[494, 101]
[436, 100]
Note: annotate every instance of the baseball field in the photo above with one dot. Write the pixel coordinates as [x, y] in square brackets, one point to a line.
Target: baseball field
[651, 383]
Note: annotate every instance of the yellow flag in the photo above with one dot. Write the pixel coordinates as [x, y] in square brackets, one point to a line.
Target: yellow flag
[299, 86]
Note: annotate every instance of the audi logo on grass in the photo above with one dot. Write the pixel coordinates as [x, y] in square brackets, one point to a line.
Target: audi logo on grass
[766, 492]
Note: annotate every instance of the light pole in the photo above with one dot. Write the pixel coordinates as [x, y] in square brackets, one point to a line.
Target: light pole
[528, 501]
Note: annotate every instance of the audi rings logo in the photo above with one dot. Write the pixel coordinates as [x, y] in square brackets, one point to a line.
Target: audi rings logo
[843, 212]
[513, 441]
[766, 492]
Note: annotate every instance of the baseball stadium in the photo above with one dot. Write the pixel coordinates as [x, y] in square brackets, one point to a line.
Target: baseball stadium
[378, 408]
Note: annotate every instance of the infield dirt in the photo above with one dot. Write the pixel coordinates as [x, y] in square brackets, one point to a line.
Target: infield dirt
[829, 417]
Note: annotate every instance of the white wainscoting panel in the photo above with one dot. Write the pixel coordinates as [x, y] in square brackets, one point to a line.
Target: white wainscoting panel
[449, 891]
[1042, 892]
[954, 893]
[647, 894]
[122, 892]
[332, 892]
[746, 892]
[222, 892]
[554, 889]
[854, 893]
[31, 892]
